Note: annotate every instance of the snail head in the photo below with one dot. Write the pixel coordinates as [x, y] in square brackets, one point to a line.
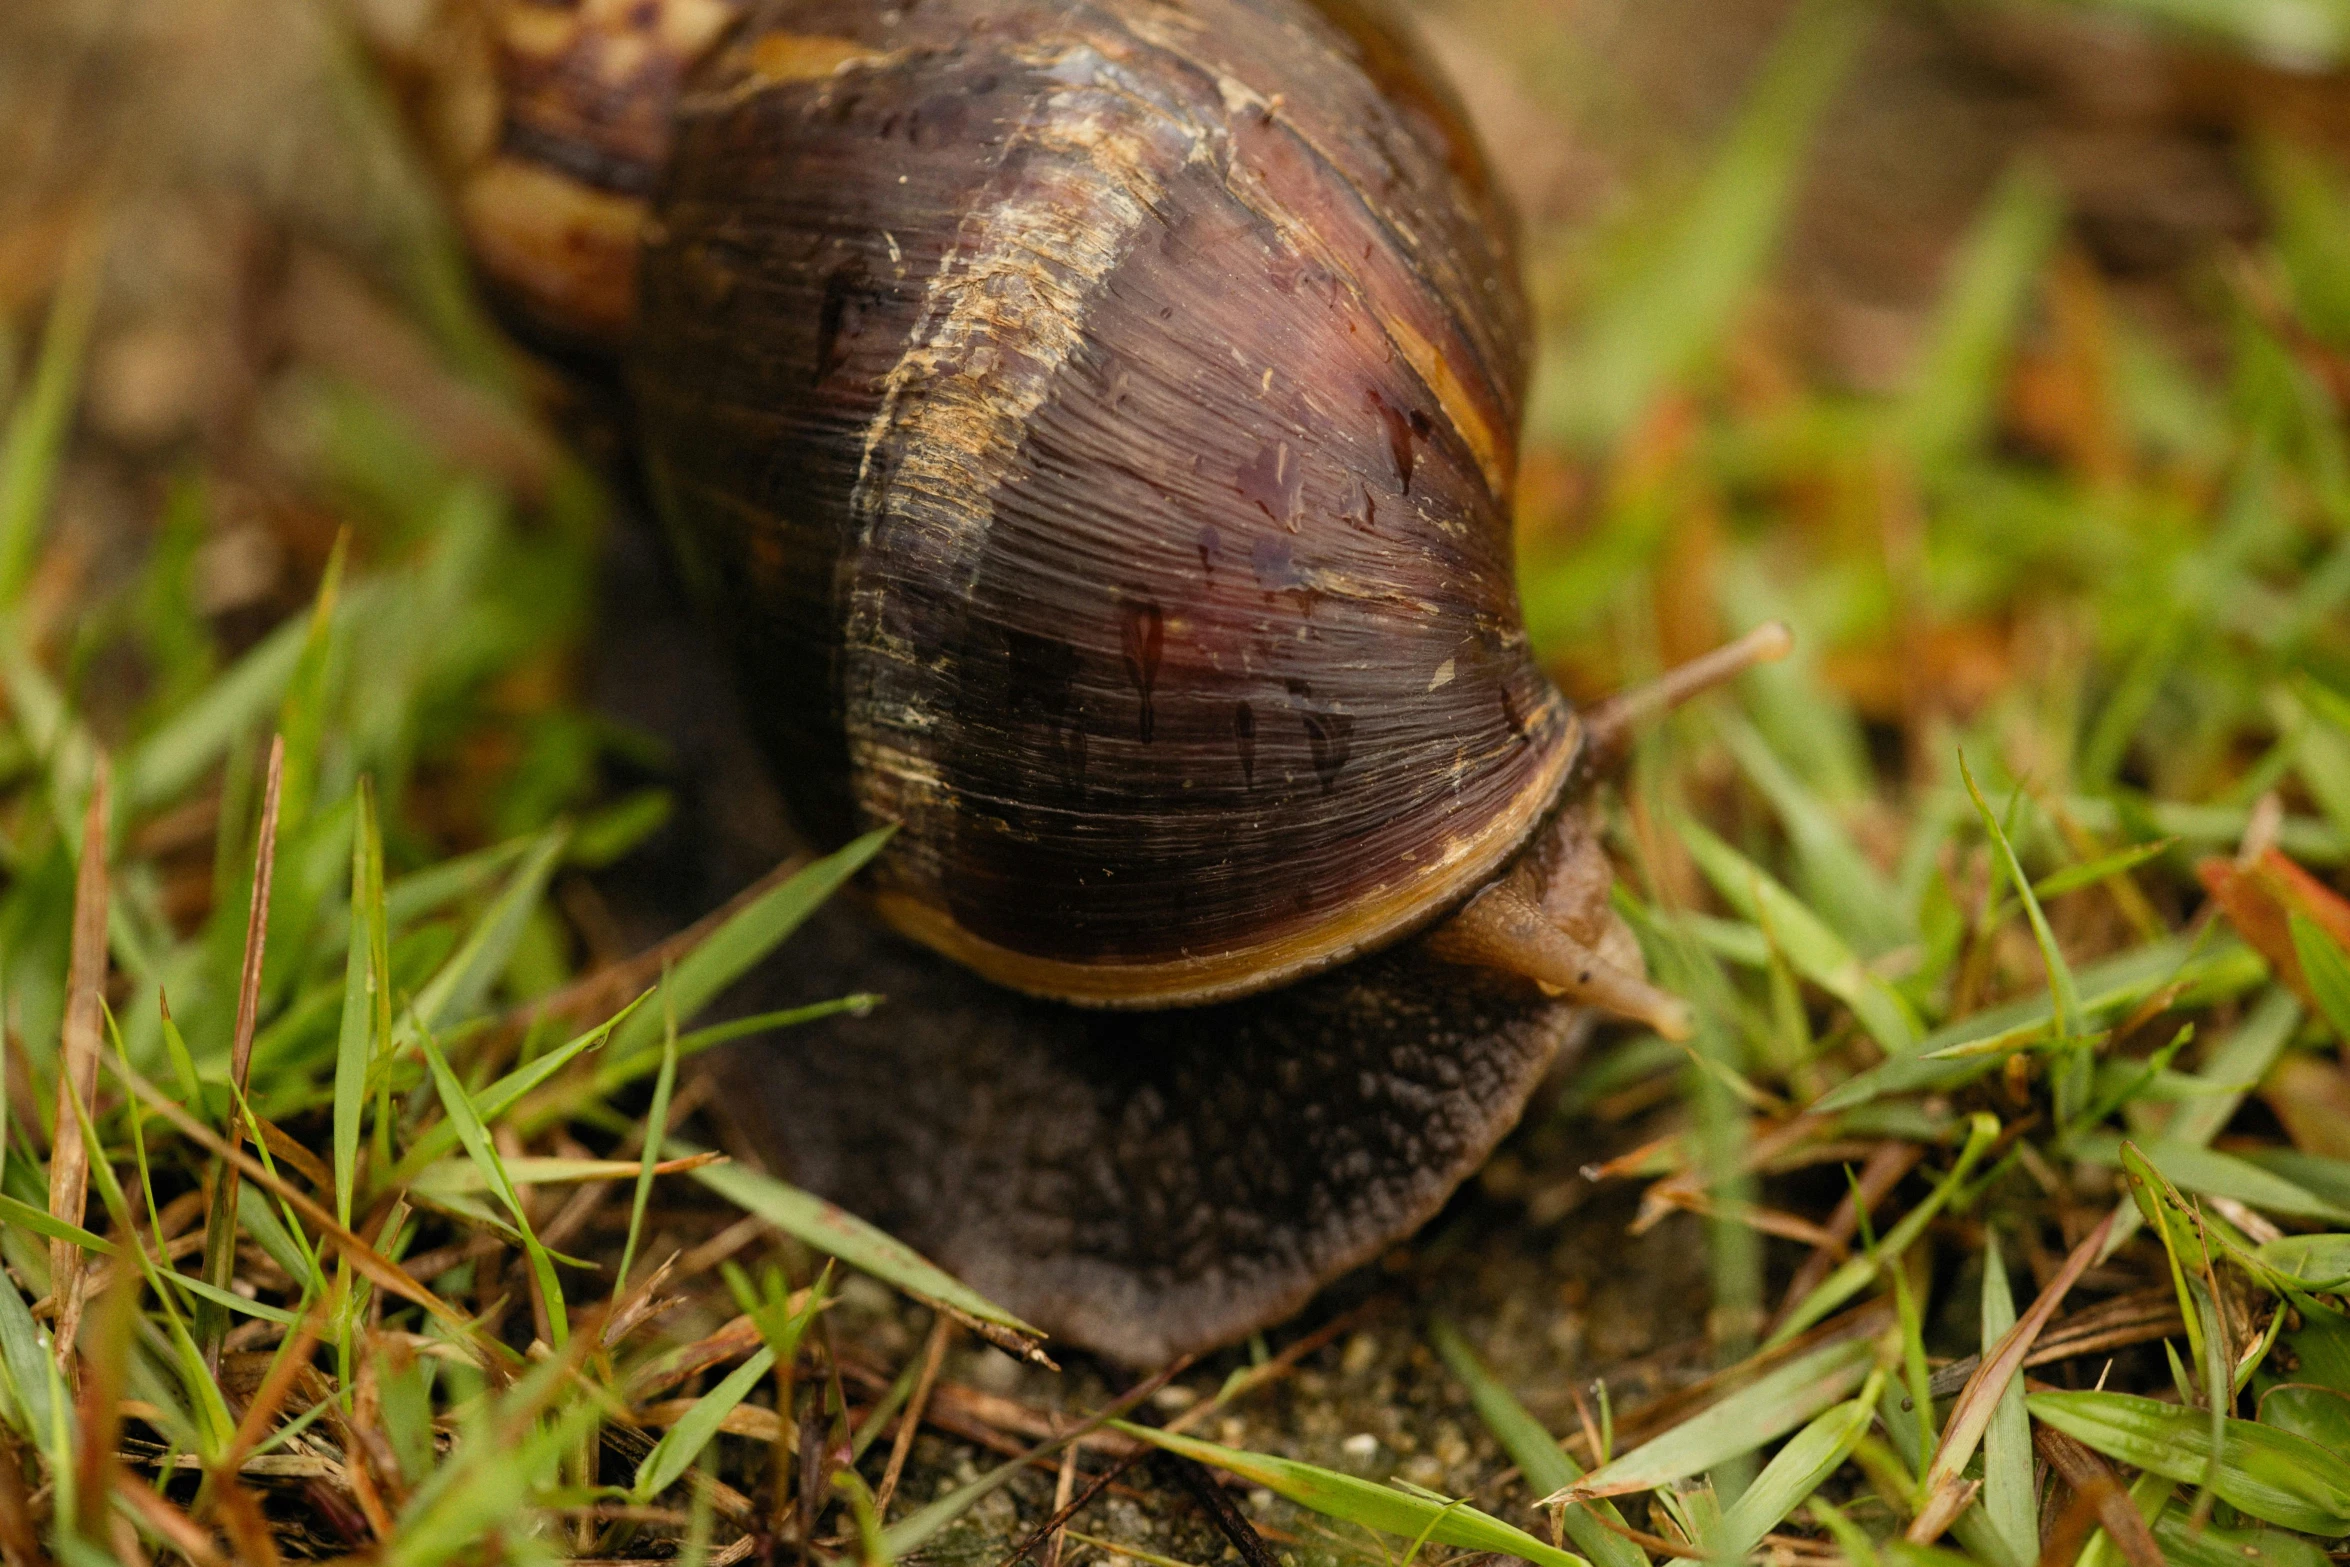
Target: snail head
[1529, 924]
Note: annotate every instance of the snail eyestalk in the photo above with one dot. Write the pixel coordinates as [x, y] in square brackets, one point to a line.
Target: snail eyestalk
[1503, 929]
[1608, 725]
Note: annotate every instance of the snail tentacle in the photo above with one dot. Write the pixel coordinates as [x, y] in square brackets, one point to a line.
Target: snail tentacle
[1501, 928]
[1608, 726]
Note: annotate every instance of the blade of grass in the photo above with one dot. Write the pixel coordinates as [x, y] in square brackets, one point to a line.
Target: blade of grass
[426, 892]
[1353, 1500]
[2265, 1473]
[2211, 1173]
[42, 418]
[1915, 1433]
[457, 991]
[169, 761]
[746, 939]
[366, 998]
[27, 1367]
[2163, 1208]
[1817, 952]
[2010, 1495]
[1959, 374]
[2105, 867]
[1963, 1050]
[614, 1075]
[2323, 749]
[683, 1442]
[2326, 969]
[2183, 1544]
[1763, 1410]
[1539, 1457]
[2063, 990]
[1855, 1272]
[1799, 1469]
[894, 1398]
[26, 1216]
[1839, 876]
[459, 1108]
[302, 715]
[1857, 1547]
[501, 1096]
[838, 1233]
[230, 1300]
[656, 1125]
[463, 1177]
[2238, 1063]
[1980, 1399]
[138, 1125]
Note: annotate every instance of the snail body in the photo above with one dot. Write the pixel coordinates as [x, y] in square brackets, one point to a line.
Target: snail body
[1091, 429]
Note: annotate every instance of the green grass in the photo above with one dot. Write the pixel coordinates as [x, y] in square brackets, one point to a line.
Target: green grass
[2051, 933]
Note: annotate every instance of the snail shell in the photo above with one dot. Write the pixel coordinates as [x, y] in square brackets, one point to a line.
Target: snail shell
[1094, 424]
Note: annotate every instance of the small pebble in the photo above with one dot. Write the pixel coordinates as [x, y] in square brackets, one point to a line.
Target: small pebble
[866, 1295]
[993, 1371]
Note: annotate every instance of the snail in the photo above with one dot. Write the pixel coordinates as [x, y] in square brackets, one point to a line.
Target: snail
[1091, 428]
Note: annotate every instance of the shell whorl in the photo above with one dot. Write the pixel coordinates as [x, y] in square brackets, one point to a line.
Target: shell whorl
[552, 120]
[1095, 425]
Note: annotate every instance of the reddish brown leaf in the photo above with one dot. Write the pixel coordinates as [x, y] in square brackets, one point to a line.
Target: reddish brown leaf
[2260, 900]
[101, 1399]
[20, 1541]
[175, 1528]
[2094, 1483]
[247, 1528]
[2311, 1096]
[220, 1248]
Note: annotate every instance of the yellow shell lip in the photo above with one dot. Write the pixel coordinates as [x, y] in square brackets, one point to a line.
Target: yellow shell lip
[1364, 925]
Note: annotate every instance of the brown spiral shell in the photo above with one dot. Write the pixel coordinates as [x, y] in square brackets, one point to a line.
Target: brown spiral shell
[1094, 425]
